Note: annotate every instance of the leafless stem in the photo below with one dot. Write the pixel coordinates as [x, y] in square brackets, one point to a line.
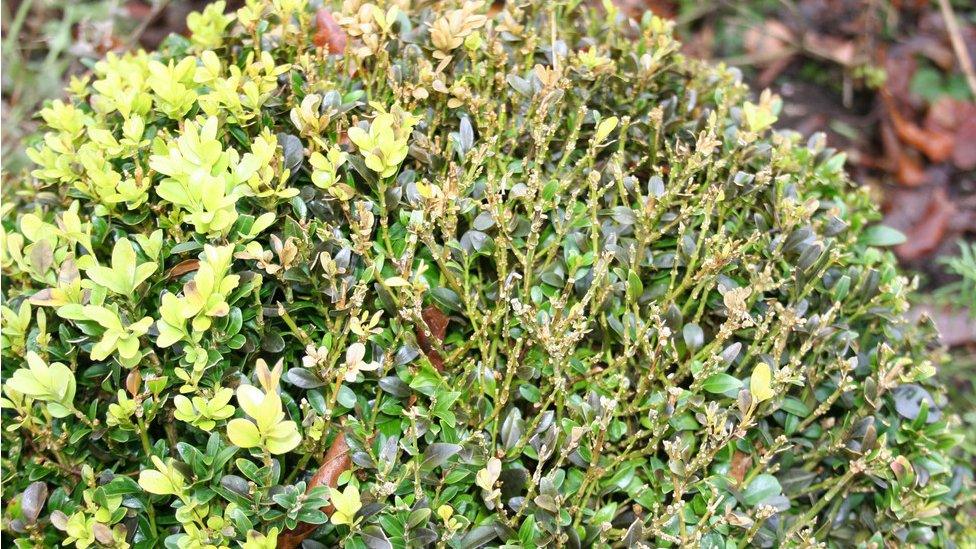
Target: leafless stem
[952, 25]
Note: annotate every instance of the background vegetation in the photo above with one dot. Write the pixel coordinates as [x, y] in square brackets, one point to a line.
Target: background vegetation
[892, 88]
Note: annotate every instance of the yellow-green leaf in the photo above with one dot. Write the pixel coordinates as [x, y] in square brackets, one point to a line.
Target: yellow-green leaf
[760, 384]
[243, 433]
[155, 482]
[346, 503]
[606, 126]
[283, 438]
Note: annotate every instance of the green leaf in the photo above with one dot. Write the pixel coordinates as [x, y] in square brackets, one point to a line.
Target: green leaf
[761, 488]
[721, 383]
[54, 384]
[795, 407]
[151, 245]
[346, 396]
[56, 409]
[437, 454]
[121, 486]
[527, 532]
[105, 317]
[635, 288]
[693, 335]
[882, 235]
[530, 393]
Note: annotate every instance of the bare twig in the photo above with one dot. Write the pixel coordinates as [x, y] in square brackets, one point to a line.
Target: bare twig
[952, 25]
[157, 10]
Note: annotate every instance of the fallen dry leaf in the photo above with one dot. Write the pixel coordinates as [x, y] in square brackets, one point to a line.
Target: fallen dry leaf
[947, 113]
[936, 144]
[907, 169]
[900, 65]
[772, 44]
[964, 153]
[958, 118]
[925, 235]
[839, 50]
[770, 38]
[956, 326]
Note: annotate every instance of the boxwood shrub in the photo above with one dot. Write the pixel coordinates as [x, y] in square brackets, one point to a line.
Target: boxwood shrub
[432, 276]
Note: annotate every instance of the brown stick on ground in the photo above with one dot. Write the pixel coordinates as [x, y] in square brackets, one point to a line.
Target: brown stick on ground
[335, 463]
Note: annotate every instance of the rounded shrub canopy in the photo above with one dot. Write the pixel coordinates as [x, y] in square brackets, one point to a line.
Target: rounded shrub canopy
[427, 275]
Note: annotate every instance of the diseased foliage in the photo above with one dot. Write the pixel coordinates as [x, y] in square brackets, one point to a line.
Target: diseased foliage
[530, 278]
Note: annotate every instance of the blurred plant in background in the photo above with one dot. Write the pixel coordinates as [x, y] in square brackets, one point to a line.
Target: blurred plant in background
[43, 43]
[963, 266]
[47, 42]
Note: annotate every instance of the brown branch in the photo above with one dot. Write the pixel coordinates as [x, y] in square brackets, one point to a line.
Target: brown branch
[336, 462]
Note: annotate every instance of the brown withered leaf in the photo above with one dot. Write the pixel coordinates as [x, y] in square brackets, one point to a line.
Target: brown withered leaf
[909, 171]
[769, 39]
[935, 48]
[336, 462]
[42, 297]
[900, 65]
[41, 256]
[183, 267]
[741, 463]
[328, 33]
[68, 272]
[133, 382]
[436, 322]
